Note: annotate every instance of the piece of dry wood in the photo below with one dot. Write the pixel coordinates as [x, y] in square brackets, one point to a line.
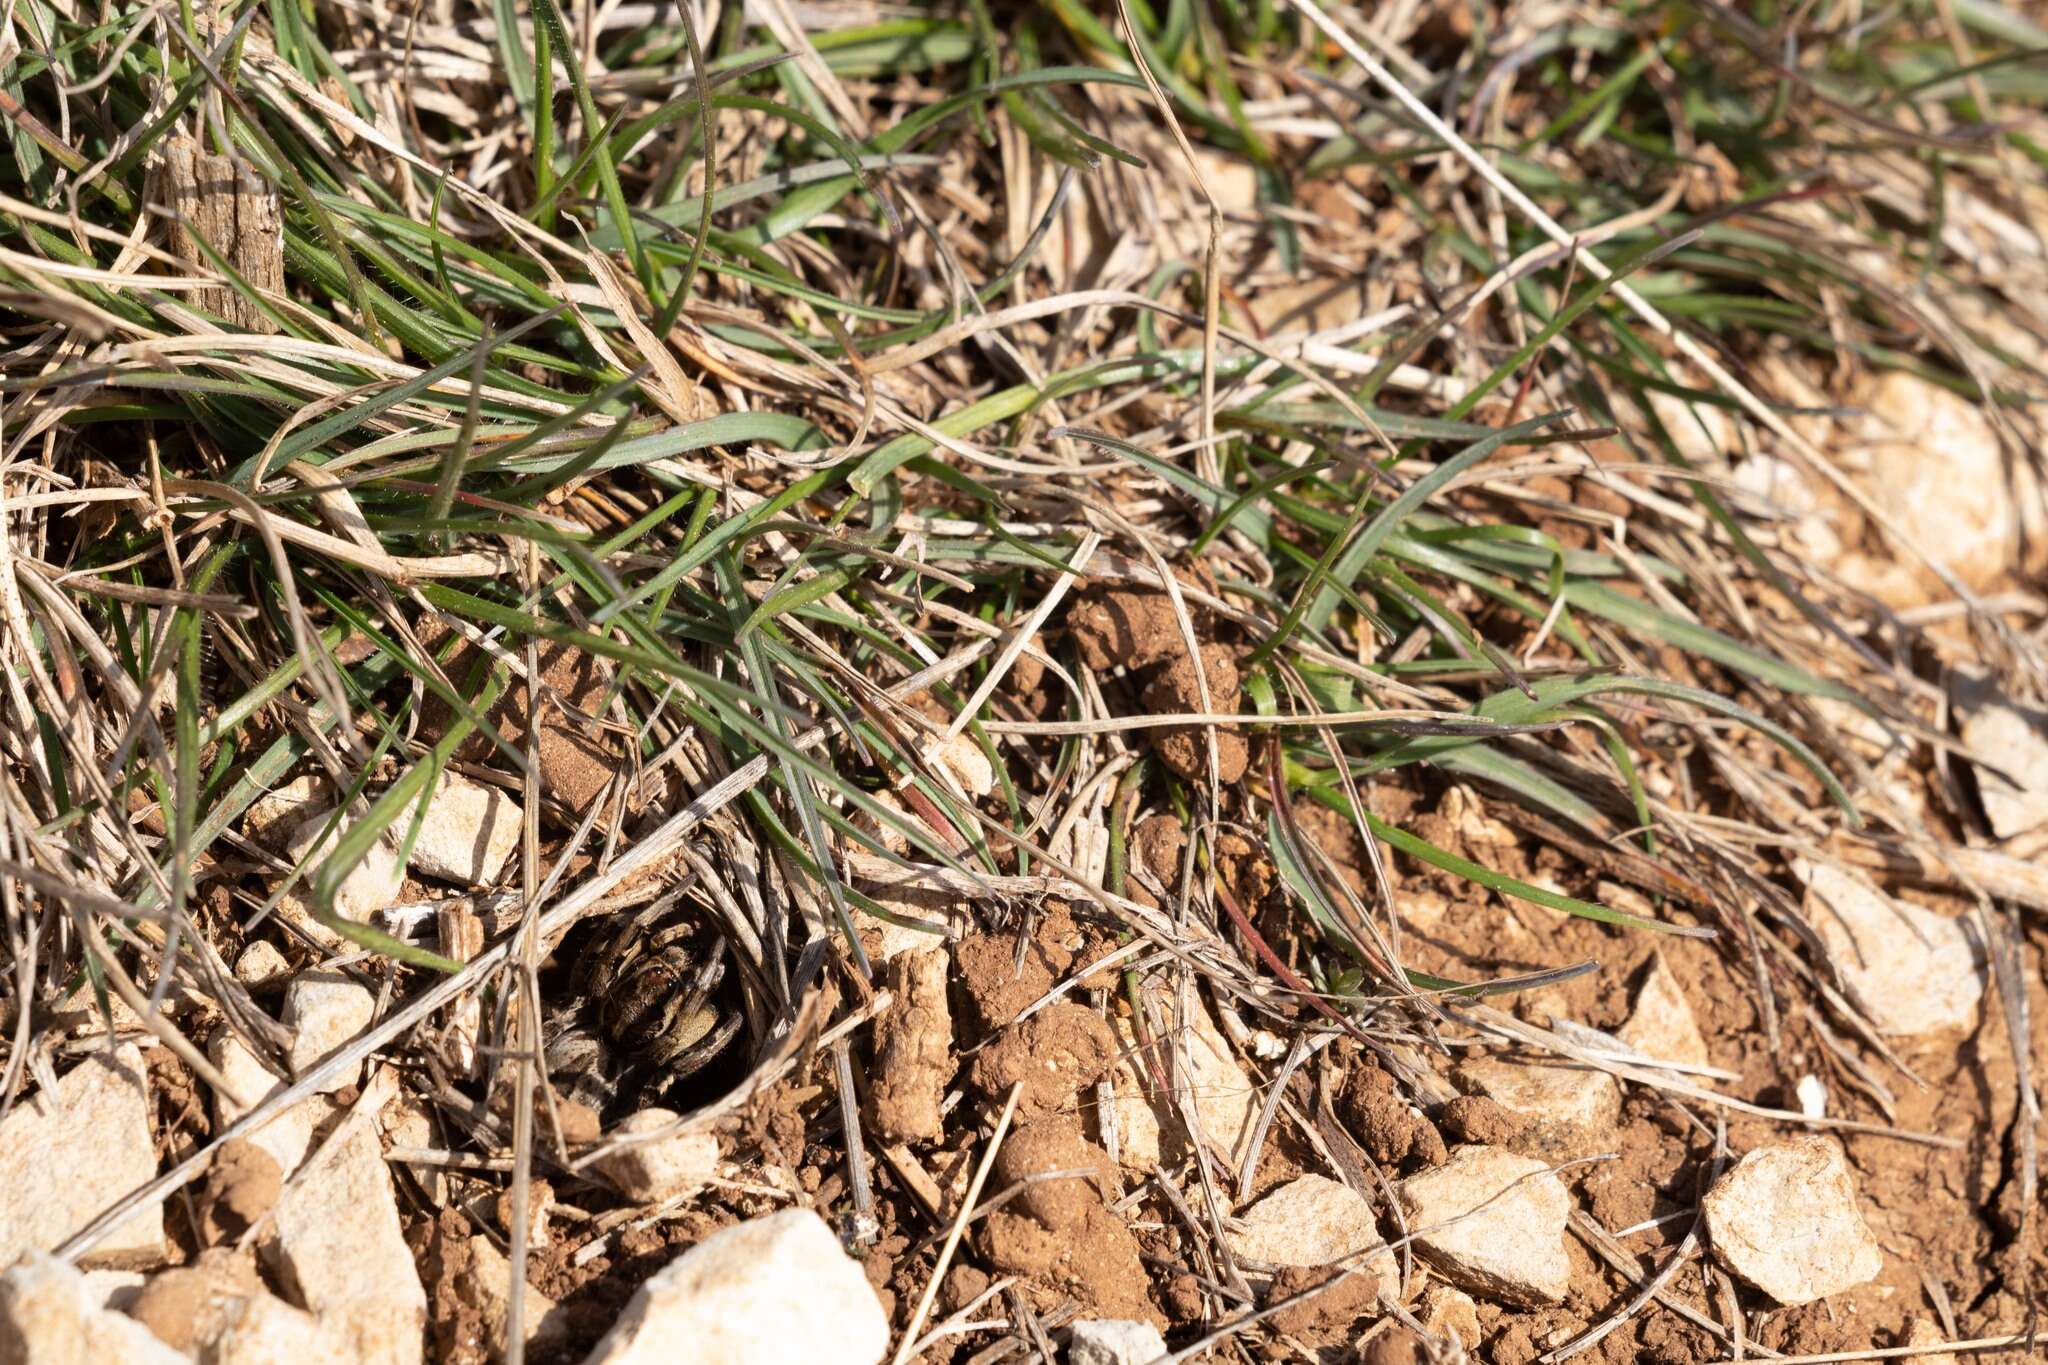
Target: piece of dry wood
[225, 203]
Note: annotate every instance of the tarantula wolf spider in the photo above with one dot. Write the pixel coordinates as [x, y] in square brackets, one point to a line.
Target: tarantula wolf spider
[646, 1010]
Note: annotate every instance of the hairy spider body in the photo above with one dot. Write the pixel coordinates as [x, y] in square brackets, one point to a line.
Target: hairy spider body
[646, 1011]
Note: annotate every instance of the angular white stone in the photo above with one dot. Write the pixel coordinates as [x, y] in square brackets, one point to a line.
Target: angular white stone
[1936, 464]
[1785, 1219]
[468, 832]
[277, 814]
[1493, 1222]
[2013, 777]
[1114, 1341]
[289, 1135]
[773, 1291]
[373, 883]
[1567, 1111]
[66, 1158]
[1662, 1025]
[1450, 1313]
[262, 1329]
[325, 1010]
[489, 1288]
[261, 964]
[963, 758]
[654, 1171]
[1926, 1333]
[339, 1249]
[1312, 1221]
[49, 1316]
[1150, 1127]
[1914, 970]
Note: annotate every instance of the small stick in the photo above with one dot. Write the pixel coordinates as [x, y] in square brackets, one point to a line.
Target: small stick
[865, 1225]
[953, 1234]
[2021, 1339]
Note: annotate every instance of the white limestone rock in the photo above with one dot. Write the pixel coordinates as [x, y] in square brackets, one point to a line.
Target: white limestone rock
[467, 833]
[66, 1158]
[777, 1290]
[1492, 1222]
[1785, 1219]
[49, 1316]
[338, 1247]
[325, 1010]
[1114, 1341]
[1566, 1111]
[661, 1168]
[1915, 971]
[1313, 1221]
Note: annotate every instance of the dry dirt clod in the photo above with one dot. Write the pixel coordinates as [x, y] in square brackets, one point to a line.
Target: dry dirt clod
[1915, 971]
[1565, 1111]
[997, 986]
[339, 1249]
[468, 832]
[325, 1010]
[1475, 1118]
[241, 1186]
[1662, 1025]
[577, 759]
[1058, 1230]
[218, 1308]
[1328, 1315]
[1391, 1130]
[1055, 1053]
[48, 1316]
[658, 1170]
[68, 1156]
[1114, 1341]
[777, 1288]
[1785, 1219]
[1175, 689]
[1509, 1248]
[914, 1056]
[1124, 627]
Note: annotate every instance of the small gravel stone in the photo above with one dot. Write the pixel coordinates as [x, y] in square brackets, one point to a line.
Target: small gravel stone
[275, 816]
[260, 965]
[775, 1289]
[660, 1169]
[467, 834]
[1449, 1314]
[66, 1157]
[963, 758]
[1785, 1219]
[1493, 1222]
[339, 1249]
[48, 1314]
[1915, 971]
[1566, 1111]
[1311, 1221]
[488, 1288]
[326, 1010]
[1926, 1333]
[289, 1135]
[373, 883]
[1149, 1123]
[2012, 780]
[1662, 1026]
[1114, 1341]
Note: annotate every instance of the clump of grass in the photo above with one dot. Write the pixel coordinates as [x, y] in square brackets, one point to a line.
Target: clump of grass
[791, 371]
